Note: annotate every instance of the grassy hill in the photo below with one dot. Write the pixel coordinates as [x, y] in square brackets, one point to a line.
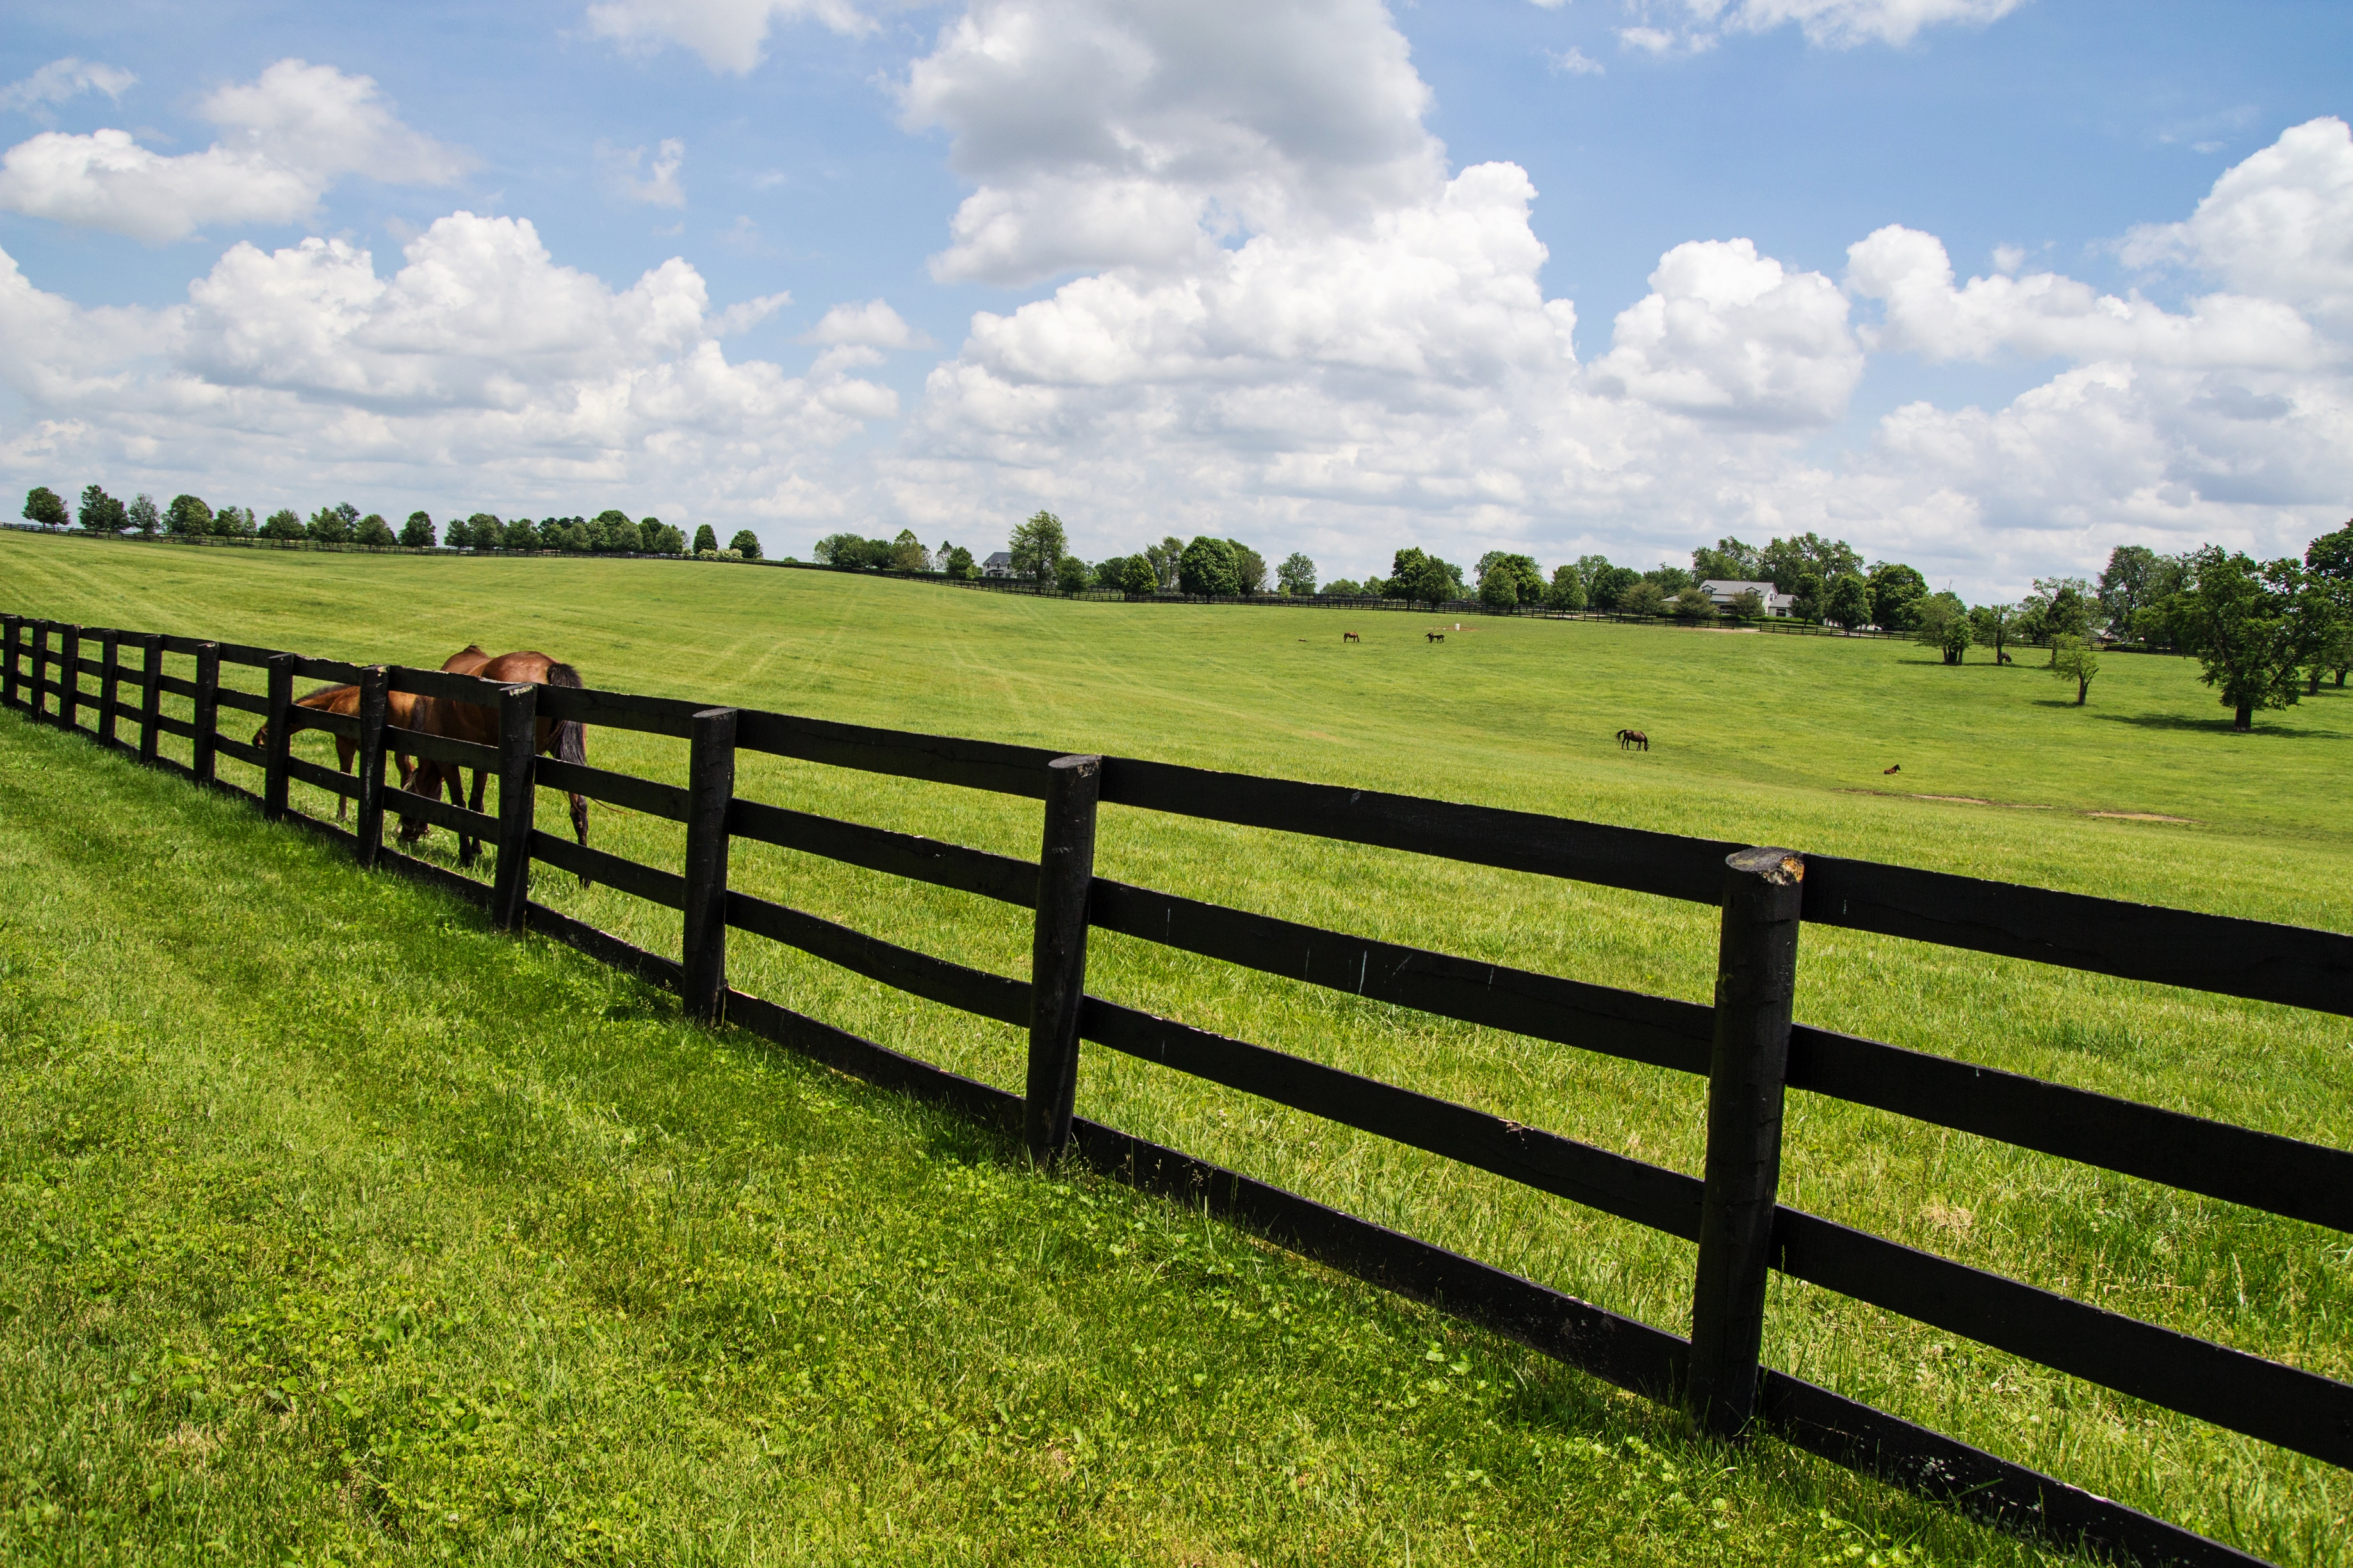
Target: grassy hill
[1768, 739]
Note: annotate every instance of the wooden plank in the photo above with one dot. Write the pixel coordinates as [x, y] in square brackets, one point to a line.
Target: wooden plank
[340, 724]
[2255, 959]
[188, 646]
[944, 865]
[441, 813]
[1667, 864]
[1629, 1024]
[1756, 985]
[625, 790]
[243, 702]
[1996, 1490]
[1057, 953]
[325, 778]
[917, 974]
[441, 684]
[939, 759]
[665, 887]
[879, 1065]
[245, 653]
[171, 726]
[177, 687]
[228, 746]
[440, 748]
[1618, 1349]
[2308, 1182]
[329, 669]
[1647, 1194]
[622, 711]
[2283, 1405]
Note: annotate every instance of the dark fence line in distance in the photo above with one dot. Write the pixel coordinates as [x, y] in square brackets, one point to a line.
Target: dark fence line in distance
[1746, 1045]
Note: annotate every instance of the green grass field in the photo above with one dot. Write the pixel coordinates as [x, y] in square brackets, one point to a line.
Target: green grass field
[1760, 738]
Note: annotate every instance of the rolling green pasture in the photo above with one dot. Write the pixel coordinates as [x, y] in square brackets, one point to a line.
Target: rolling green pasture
[1762, 738]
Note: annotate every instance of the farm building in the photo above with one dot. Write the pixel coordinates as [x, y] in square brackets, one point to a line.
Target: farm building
[997, 566]
[1776, 601]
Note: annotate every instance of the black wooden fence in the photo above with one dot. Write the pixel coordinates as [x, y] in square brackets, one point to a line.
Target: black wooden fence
[1746, 1045]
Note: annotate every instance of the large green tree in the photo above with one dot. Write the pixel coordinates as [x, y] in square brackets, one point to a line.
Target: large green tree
[1526, 577]
[1728, 560]
[1990, 624]
[375, 531]
[2252, 627]
[45, 507]
[2136, 578]
[101, 512]
[1567, 590]
[746, 543]
[1940, 622]
[1422, 578]
[1249, 568]
[333, 524]
[142, 514]
[284, 525]
[705, 538]
[1038, 545]
[1847, 601]
[1141, 579]
[418, 532]
[1297, 574]
[2077, 659]
[908, 555]
[1897, 591]
[1207, 566]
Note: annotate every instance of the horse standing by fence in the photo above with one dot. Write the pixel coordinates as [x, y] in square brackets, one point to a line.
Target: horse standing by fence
[398, 708]
[564, 739]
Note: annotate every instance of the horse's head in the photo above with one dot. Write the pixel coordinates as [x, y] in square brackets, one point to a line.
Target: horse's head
[261, 739]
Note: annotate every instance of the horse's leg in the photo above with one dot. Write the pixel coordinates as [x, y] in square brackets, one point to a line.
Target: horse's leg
[473, 847]
[344, 752]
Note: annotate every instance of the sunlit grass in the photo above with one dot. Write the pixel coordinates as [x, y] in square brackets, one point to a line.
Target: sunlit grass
[1762, 739]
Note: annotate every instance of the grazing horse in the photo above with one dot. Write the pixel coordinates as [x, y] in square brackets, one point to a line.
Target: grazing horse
[1350, 637]
[346, 701]
[1435, 637]
[1635, 738]
[478, 723]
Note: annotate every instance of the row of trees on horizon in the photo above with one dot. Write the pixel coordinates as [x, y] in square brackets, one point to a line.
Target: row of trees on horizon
[187, 516]
[2266, 632]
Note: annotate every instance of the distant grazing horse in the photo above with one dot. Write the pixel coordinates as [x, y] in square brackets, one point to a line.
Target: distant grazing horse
[1435, 637]
[346, 701]
[1350, 637]
[1635, 738]
[478, 722]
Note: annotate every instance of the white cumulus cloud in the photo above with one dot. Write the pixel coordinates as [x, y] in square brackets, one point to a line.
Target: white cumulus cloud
[732, 35]
[660, 187]
[869, 322]
[285, 137]
[61, 81]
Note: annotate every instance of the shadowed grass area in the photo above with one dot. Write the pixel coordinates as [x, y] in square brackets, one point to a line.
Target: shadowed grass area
[1759, 738]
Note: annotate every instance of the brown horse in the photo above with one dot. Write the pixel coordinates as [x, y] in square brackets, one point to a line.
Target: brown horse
[1435, 637]
[1635, 738]
[346, 701]
[1350, 637]
[478, 722]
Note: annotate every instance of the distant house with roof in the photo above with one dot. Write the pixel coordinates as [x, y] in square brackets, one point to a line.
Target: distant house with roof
[1776, 603]
[997, 566]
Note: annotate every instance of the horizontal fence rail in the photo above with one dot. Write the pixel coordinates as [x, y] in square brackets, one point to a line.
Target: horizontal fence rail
[1746, 1046]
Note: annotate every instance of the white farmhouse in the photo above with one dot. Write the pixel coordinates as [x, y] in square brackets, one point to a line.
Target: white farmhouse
[997, 566]
[1776, 601]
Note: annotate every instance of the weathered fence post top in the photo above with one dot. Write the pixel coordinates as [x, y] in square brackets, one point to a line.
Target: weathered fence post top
[1755, 988]
[518, 753]
[1058, 952]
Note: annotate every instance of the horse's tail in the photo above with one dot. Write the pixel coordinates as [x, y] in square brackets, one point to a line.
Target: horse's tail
[572, 746]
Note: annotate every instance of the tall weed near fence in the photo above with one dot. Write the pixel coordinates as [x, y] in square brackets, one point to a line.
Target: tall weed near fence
[1746, 1046]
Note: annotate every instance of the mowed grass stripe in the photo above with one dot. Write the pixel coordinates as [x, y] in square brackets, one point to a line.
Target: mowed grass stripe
[1521, 719]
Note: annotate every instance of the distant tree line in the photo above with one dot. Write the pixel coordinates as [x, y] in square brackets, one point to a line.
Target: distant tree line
[187, 516]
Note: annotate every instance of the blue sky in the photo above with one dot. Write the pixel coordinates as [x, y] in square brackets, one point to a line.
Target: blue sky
[1279, 280]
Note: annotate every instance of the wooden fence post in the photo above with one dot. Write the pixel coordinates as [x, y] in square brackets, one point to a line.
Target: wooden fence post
[710, 786]
[69, 667]
[109, 684]
[12, 632]
[281, 736]
[1058, 952]
[374, 693]
[1756, 985]
[150, 695]
[40, 669]
[518, 752]
[200, 759]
